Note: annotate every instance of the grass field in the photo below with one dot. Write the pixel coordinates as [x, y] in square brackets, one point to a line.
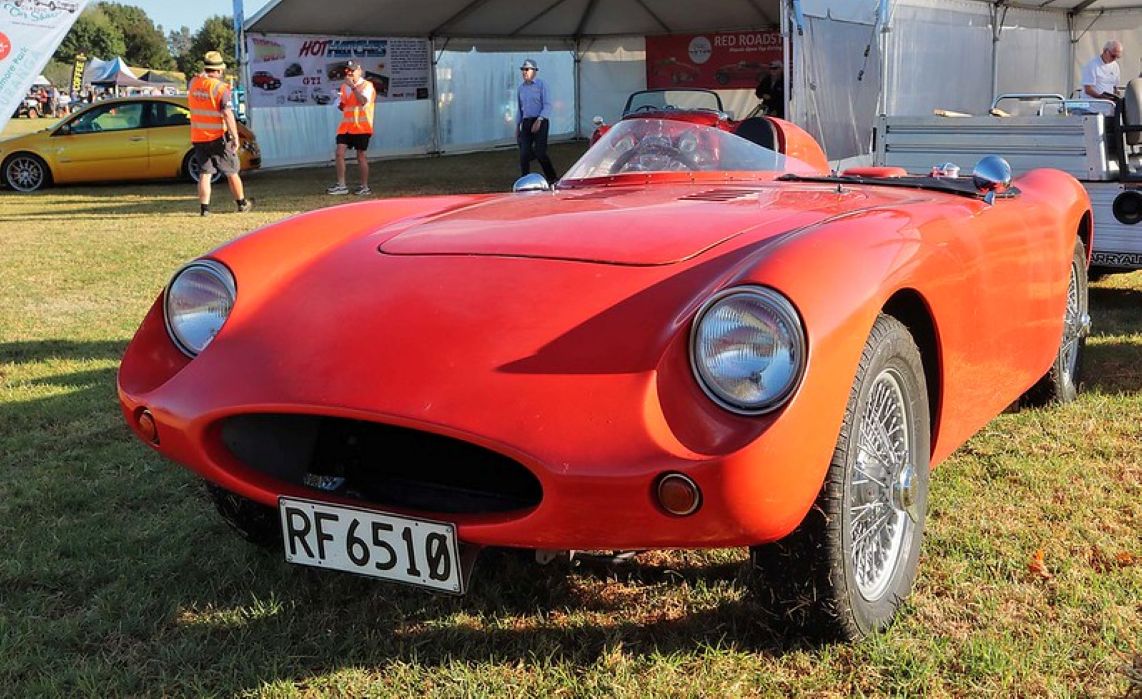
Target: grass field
[117, 579]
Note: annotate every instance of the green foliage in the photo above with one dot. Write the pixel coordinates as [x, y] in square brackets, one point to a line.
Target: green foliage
[58, 74]
[178, 44]
[216, 34]
[145, 44]
[93, 34]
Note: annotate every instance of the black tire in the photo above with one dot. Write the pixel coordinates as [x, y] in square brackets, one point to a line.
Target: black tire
[25, 172]
[33, 114]
[1063, 381]
[812, 577]
[253, 521]
[190, 169]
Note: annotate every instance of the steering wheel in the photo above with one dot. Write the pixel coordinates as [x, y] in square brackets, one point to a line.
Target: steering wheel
[659, 150]
[95, 126]
[646, 108]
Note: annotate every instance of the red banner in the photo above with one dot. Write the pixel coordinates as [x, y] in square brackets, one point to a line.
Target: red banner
[718, 61]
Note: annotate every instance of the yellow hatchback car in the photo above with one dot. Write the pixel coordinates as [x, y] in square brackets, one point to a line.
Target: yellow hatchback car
[129, 138]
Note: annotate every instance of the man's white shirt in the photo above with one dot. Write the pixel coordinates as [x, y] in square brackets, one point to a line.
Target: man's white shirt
[1103, 76]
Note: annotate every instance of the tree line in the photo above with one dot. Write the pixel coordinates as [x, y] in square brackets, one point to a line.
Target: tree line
[108, 29]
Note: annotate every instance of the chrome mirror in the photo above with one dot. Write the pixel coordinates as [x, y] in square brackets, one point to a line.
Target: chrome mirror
[598, 121]
[991, 174]
[533, 182]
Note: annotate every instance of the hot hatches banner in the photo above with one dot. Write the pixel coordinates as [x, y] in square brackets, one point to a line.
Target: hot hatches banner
[300, 71]
[29, 34]
[716, 61]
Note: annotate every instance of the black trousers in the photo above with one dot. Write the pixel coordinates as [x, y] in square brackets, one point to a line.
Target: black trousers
[534, 145]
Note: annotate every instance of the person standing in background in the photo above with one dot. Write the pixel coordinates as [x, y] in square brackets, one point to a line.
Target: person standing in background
[771, 90]
[357, 101]
[214, 132]
[532, 122]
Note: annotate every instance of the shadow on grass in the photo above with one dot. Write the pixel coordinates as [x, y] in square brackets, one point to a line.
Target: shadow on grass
[290, 191]
[45, 350]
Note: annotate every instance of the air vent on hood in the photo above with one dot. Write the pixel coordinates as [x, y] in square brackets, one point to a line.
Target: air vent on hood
[720, 195]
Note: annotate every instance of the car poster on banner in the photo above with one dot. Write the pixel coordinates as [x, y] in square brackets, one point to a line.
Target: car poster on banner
[300, 71]
[29, 35]
[716, 61]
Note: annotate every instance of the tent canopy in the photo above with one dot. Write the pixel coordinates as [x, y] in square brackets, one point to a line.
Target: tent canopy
[562, 18]
[112, 72]
[510, 18]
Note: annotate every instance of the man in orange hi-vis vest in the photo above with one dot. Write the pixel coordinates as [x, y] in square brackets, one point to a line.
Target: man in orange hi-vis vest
[214, 132]
[356, 100]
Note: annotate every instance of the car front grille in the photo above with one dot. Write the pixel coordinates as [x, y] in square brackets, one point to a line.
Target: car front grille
[380, 464]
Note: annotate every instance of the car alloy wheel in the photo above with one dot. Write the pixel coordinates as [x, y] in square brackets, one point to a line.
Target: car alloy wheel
[194, 170]
[850, 564]
[25, 173]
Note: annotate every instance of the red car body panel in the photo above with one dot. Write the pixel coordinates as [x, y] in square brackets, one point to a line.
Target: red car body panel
[554, 329]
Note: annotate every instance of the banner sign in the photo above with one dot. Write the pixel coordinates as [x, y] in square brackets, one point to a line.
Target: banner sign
[304, 71]
[77, 73]
[716, 61]
[29, 35]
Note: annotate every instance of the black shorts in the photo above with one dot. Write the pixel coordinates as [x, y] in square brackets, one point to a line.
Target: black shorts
[214, 156]
[358, 141]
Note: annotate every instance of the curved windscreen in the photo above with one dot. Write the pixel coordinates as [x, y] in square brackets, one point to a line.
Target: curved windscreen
[667, 145]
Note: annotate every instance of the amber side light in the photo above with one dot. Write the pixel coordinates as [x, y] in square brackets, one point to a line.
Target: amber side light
[678, 495]
[147, 426]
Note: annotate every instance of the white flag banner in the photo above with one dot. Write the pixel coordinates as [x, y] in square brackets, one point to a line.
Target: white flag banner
[30, 31]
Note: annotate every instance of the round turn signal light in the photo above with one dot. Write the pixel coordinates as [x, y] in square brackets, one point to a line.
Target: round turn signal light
[678, 495]
[147, 426]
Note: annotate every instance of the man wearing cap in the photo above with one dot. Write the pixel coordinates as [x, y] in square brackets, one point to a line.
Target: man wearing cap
[771, 90]
[356, 100]
[214, 132]
[532, 114]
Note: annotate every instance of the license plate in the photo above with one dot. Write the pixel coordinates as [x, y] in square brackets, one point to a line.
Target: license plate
[392, 547]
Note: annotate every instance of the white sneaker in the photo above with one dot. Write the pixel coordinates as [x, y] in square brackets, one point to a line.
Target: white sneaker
[337, 189]
[363, 190]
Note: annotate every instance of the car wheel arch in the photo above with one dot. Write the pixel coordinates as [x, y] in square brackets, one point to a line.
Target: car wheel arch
[910, 308]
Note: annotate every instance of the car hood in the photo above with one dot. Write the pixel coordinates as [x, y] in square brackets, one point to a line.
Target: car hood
[657, 225]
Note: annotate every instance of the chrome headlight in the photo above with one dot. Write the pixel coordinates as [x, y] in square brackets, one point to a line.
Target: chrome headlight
[197, 303]
[747, 349]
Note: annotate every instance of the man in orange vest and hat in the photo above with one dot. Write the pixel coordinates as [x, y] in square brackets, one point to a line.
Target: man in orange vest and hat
[356, 100]
[214, 132]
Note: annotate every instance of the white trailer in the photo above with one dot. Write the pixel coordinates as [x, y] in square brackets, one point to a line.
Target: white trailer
[1081, 144]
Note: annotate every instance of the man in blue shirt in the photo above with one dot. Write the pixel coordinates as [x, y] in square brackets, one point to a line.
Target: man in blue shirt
[532, 114]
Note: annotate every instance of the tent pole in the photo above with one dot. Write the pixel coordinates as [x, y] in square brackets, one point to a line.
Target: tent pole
[578, 88]
[885, 27]
[434, 144]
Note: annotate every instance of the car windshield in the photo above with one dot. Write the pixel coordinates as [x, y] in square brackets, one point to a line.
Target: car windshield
[667, 145]
[673, 99]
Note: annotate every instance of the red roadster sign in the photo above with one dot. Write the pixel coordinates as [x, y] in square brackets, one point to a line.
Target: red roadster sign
[725, 60]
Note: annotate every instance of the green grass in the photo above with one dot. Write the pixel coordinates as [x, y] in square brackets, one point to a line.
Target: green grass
[117, 579]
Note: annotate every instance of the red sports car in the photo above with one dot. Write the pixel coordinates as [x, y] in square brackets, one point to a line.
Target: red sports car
[692, 340]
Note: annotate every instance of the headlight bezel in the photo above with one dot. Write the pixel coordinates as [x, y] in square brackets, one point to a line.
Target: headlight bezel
[223, 275]
[784, 309]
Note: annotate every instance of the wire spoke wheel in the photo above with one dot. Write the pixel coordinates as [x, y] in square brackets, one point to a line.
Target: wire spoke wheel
[1074, 326]
[878, 522]
[850, 564]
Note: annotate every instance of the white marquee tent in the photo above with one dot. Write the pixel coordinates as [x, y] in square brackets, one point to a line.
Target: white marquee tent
[955, 54]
